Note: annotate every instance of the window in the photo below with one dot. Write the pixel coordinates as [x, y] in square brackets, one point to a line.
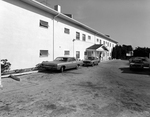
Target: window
[97, 40]
[89, 37]
[85, 53]
[83, 37]
[77, 54]
[104, 42]
[43, 24]
[100, 42]
[66, 30]
[43, 53]
[67, 52]
[78, 35]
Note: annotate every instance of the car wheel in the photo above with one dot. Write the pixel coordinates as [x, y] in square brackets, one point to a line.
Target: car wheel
[92, 64]
[131, 68]
[62, 69]
[77, 66]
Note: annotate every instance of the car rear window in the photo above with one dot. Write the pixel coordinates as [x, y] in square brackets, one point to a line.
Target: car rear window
[61, 59]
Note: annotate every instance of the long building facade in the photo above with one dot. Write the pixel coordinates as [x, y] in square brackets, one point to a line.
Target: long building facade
[31, 32]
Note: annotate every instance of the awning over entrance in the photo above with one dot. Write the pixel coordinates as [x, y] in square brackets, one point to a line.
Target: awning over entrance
[97, 47]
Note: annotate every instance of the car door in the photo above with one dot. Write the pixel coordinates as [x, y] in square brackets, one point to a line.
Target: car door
[68, 63]
[74, 63]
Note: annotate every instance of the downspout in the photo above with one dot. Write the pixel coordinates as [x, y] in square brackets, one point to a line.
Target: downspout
[0, 76]
[54, 32]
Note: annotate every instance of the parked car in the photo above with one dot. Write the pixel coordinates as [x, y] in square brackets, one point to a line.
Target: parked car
[146, 61]
[61, 64]
[91, 61]
[136, 63]
[139, 62]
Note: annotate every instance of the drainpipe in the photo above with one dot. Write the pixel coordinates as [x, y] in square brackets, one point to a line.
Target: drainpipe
[73, 46]
[54, 32]
[0, 76]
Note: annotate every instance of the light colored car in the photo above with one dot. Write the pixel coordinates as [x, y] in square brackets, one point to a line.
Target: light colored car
[61, 64]
[91, 61]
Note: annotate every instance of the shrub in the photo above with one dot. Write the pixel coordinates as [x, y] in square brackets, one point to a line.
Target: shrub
[5, 65]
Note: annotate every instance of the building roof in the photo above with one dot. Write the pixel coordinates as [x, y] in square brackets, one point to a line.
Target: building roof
[63, 16]
[97, 46]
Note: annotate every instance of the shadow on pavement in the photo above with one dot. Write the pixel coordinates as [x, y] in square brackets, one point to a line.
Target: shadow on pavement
[71, 71]
[145, 71]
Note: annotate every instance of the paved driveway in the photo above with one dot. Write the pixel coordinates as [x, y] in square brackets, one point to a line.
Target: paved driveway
[107, 90]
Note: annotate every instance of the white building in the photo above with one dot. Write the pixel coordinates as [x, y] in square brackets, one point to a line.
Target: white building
[31, 32]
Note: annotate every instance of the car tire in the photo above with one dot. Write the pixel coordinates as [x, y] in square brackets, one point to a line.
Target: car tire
[92, 64]
[62, 69]
[131, 68]
[77, 66]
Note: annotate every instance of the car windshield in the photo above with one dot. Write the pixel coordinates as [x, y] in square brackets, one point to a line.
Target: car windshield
[61, 59]
[137, 60]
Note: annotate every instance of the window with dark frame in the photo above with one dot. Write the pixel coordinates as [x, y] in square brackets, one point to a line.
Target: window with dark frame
[66, 30]
[100, 42]
[66, 52]
[43, 24]
[43, 53]
[78, 35]
[83, 37]
[104, 42]
[89, 37]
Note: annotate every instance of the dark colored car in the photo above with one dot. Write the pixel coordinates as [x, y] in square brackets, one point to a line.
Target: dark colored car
[146, 61]
[91, 61]
[139, 62]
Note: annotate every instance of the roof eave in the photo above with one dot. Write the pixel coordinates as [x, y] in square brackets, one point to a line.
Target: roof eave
[61, 15]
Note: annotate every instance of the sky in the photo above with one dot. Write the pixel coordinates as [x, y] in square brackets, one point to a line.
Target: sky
[126, 21]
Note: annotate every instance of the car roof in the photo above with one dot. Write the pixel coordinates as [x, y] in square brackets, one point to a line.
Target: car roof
[64, 57]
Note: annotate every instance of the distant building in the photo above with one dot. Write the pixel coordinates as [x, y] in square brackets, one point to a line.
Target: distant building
[31, 32]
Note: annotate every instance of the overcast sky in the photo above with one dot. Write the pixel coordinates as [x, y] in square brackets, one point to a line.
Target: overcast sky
[126, 21]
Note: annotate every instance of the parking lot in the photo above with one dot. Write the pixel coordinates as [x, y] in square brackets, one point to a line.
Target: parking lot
[110, 89]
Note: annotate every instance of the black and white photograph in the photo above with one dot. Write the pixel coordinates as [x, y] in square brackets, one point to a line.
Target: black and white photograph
[75, 58]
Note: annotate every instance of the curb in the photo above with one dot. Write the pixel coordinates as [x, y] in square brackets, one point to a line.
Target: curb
[18, 74]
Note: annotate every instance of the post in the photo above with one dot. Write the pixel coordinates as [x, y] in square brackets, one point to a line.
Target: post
[149, 60]
[73, 46]
[0, 76]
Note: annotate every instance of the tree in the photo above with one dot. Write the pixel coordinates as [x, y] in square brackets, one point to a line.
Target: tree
[120, 52]
[141, 52]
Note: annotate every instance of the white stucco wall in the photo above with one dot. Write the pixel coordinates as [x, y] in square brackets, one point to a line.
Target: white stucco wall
[21, 37]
